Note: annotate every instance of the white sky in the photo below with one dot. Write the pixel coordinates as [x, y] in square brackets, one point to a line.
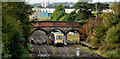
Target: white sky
[51, 1]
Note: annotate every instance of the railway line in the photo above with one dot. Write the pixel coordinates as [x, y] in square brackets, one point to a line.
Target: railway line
[42, 50]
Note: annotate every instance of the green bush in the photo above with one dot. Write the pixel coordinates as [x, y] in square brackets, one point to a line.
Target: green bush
[113, 53]
[112, 38]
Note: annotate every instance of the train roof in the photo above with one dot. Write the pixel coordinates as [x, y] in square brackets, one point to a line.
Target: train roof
[58, 32]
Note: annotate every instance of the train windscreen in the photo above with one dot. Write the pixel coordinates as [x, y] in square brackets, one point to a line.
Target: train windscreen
[59, 37]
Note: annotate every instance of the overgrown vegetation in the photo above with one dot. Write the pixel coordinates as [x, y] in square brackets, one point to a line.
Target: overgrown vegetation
[15, 29]
[104, 32]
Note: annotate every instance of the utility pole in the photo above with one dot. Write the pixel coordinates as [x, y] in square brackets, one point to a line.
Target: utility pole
[96, 10]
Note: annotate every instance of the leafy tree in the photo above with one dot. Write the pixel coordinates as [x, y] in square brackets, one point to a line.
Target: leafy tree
[58, 13]
[90, 29]
[70, 17]
[83, 31]
[84, 10]
[12, 38]
[16, 28]
[101, 6]
[116, 8]
[21, 12]
[112, 39]
[82, 22]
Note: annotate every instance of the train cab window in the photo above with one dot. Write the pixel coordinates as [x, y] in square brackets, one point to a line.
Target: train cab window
[58, 37]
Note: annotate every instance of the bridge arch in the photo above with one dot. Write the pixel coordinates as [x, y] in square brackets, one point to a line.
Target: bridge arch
[78, 31]
[73, 30]
[39, 29]
[57, 29]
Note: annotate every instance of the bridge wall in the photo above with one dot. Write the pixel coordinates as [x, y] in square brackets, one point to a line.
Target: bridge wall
[56, 24]
[64, 27]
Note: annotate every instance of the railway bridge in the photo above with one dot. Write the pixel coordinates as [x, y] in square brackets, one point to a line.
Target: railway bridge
[64, 27]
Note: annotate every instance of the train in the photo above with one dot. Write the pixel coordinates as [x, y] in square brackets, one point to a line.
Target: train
[57, 37]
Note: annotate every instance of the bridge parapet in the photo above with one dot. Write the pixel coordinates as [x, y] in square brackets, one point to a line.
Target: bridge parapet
[56, 24]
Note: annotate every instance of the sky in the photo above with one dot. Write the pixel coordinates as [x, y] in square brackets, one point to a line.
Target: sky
[52, 1]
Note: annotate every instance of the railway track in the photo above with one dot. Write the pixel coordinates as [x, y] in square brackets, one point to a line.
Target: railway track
[42, 50]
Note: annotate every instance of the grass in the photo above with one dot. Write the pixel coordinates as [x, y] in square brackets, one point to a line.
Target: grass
[0, 48]
[72, 38]
[85, 49]
[100, 53]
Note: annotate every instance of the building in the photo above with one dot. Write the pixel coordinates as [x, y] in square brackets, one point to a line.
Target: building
[85, 0]
[46, 12]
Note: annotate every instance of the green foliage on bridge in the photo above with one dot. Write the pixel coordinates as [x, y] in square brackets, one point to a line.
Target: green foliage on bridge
[105, 32]
[15, 29]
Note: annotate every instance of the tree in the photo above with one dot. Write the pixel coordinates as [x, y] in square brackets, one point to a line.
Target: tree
[21, 12]
[12, 38]
[58, 13]
[116, 8]
[84, 10]
[16, 28]
[83, 31]
[101, 6]
[112, 39]
[70, 17]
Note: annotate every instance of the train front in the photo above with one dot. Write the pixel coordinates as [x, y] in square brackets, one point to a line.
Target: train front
[59, 38]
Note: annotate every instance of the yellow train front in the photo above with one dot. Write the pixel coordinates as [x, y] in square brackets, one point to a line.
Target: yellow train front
[57, 38]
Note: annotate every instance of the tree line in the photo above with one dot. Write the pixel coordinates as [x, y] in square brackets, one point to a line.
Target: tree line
[16, 29]
[82, 12]
[105, 32]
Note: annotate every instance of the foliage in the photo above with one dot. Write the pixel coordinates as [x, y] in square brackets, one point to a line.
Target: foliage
[84, 10]
[116, 8]
[16, 28]
[83, 31]
[101, 6]
[90, 29]
[112, 39]
[113, 53]
[58, 13]
[105, 33]
[70, 17]
[12, 38]
[82, 22]
[72, 37]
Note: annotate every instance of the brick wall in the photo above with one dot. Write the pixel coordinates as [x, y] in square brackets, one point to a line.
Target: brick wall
[57, 24]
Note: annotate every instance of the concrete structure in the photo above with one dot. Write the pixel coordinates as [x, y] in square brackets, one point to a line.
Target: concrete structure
[64, 27]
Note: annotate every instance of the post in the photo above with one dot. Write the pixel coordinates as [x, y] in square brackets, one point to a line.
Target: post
[65, 40]
[96, 10]
[47, 39]
[79, 38]
[77, 52]
[31, 40]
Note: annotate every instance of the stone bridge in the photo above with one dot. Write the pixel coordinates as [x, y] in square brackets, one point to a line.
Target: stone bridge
[64, 27]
